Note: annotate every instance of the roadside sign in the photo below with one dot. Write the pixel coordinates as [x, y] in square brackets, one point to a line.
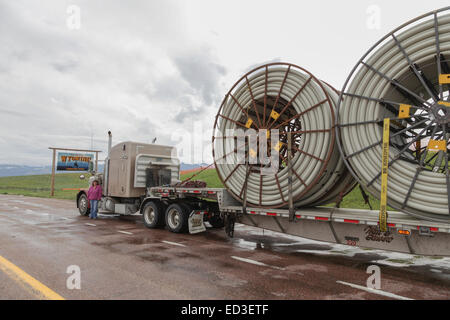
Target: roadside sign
[74, 161]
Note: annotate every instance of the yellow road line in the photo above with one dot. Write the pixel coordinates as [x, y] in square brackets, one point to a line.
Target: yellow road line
[24, 278]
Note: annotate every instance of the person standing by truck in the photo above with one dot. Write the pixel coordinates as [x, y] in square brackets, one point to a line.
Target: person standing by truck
[94, 195]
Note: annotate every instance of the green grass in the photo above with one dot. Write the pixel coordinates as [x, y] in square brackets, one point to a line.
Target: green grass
[355, 200]
[39, 186]
[209, 176]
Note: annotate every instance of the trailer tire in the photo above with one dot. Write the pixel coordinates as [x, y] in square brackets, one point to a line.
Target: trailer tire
[83, 205]
[177, 218]
[153, 215]
[216, 221]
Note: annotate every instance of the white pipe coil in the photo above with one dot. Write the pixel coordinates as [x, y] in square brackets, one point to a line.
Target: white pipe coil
[411, 187]
[321, 181]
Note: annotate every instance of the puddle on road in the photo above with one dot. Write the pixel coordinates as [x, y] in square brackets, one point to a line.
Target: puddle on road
[153, 257]
[251, 238]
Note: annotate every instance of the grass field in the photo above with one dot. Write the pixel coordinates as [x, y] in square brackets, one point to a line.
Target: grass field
[39, 186]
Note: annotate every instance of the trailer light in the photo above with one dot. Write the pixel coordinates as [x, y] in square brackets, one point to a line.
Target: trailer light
[404, 232]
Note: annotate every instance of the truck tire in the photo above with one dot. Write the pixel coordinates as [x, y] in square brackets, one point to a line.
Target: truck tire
[216, 221]
[177, 218]
[83, 205]
[153, 215]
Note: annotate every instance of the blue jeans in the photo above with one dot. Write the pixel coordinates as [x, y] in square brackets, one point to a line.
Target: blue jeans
[94, 209]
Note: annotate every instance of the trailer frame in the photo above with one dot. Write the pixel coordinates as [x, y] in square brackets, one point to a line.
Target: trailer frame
[353, 227]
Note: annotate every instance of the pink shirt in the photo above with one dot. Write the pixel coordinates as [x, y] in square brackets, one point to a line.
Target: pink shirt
[95, 193]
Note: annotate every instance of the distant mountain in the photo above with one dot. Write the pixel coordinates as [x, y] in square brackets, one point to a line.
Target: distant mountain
[11, 170]
[188, 166]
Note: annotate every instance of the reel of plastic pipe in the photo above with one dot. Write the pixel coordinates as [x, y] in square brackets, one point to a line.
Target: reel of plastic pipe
[287, 98]
[405, 77]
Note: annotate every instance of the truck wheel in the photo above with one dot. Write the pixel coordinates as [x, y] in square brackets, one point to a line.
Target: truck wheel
[83, 205]
[216, 221]
[177, 218]
[153, 215]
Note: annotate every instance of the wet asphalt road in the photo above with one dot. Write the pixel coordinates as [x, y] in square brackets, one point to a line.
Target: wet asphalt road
[120, 259]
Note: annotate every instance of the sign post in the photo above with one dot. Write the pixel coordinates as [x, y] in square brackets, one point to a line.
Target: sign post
[72, 162]
[53, 173]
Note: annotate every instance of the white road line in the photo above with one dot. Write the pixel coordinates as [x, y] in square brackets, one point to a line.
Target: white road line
[375, 291]
[124, 232]
[256, 263]
[174, 243]
[91, 224]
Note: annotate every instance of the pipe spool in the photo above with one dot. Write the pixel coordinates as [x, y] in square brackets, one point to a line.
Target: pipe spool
[405, 77]
[286, 97]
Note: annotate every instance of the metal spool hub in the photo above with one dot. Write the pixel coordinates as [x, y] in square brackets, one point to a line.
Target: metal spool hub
[288, 98]
[404, 77]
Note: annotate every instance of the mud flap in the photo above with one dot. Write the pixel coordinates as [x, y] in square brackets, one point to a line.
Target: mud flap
[195, 222]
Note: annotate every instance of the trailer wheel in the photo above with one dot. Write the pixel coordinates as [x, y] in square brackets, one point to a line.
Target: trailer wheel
[153, 215]
[177, 218]
[216, 221]
[83, 205]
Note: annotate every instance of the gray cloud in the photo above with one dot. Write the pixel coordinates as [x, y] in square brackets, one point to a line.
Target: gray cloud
[121, 71]
[200, 70]
[194, 87]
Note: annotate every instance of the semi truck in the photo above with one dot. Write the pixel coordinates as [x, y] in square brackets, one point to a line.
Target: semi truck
[144, 179]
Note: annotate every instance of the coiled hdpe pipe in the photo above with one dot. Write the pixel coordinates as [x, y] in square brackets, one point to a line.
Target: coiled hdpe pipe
[404, 77]
[288, 98]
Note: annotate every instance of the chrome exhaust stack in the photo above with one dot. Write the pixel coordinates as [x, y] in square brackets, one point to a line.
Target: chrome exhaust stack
[106, 168]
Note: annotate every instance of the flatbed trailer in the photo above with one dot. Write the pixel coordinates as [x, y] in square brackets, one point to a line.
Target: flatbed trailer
[146, 181]
[353, 227]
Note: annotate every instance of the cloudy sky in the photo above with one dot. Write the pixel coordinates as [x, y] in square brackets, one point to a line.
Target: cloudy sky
[72, 70]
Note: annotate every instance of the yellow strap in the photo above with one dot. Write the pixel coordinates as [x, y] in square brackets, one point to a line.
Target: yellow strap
[444, 103]
[384, 176]
[404, 110]
[249, 123]
[444, 79]
[437, 145]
